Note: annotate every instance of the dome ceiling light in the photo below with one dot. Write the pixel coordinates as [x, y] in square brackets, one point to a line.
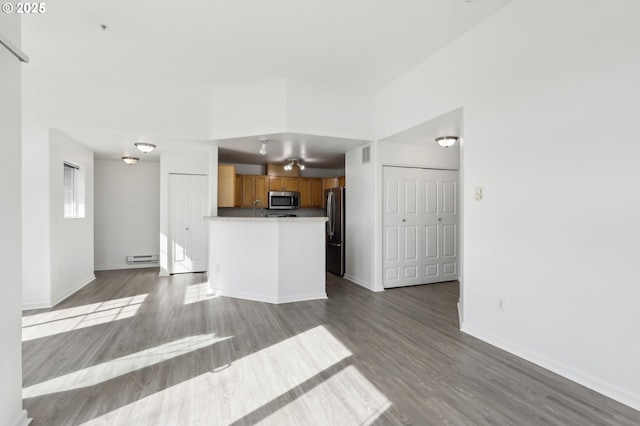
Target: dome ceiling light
[446, 141]
[145, 147]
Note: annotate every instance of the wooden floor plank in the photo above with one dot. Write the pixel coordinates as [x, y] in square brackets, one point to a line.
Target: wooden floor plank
[135, 348]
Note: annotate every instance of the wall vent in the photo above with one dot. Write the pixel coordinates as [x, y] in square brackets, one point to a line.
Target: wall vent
[147, 258]
[366, 154]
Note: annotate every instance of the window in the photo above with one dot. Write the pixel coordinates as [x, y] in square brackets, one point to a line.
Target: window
[73, 191]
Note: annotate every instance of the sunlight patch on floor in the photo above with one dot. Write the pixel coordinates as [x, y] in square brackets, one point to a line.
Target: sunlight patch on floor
[290, 380]
[97, 374]
[346, 398]
[198, 293]
[64, 320]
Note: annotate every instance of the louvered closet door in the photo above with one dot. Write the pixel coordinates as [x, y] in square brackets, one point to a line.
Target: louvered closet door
[439, 225]
[402, 217]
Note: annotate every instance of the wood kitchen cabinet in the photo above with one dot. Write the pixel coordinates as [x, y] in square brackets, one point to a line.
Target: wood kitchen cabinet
[226, 185]
[311, 193]
[277, 183]
[341, 181]
[238, 192]
[328, 183]
[255, 188]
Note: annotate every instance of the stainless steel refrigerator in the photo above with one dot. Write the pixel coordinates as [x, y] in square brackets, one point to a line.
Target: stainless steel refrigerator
[334, 202]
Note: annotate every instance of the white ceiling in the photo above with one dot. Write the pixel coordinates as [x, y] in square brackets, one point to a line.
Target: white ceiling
[351, 43]
[362, 44]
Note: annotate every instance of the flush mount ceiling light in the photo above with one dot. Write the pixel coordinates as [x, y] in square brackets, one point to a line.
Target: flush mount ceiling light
[446, 141]
[130, 160]
[263, 148]
[292, 163]
[145, 147]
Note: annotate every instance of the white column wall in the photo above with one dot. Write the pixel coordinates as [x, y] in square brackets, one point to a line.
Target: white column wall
[360, 216]
[544, 86]
[11, 412]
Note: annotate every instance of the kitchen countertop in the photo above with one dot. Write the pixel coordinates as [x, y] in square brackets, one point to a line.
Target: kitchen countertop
[265, 219]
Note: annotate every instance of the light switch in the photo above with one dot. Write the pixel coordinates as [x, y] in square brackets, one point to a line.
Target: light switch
[479, 193]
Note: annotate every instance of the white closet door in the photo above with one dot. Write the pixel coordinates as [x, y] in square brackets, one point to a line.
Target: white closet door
[188, 206]
[402, 217]
[439, 225]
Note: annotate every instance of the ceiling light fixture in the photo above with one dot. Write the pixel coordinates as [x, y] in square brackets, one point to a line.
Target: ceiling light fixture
[292, 163]
[263, 148]
[130, 160]
[289, 166]
[446, 141]
[145, 147]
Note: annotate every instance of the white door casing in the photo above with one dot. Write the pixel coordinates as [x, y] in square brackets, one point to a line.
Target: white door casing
[187, 208]
[420, 218]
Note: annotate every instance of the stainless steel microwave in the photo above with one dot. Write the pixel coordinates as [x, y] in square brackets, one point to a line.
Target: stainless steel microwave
[284, 200]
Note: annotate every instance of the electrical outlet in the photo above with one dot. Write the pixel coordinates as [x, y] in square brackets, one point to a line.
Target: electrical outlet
[501, 304]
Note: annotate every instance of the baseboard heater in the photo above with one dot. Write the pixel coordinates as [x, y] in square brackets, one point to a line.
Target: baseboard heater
[147, 258]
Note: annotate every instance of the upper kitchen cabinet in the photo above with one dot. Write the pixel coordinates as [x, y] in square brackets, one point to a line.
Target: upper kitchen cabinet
[255, 188]
[283, 183]
[311, 194]
[238, 192]
[328, 183]
[226, 185]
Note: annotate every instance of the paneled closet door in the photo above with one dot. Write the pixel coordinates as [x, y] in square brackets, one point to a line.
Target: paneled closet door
[402, 217]
[439, 225]
[187, 207]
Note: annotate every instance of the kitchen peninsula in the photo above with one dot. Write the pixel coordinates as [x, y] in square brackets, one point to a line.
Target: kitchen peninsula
[267, 259]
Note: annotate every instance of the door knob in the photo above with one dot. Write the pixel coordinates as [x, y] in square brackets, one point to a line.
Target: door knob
[439, 219]
[404, 220]
[186, 229]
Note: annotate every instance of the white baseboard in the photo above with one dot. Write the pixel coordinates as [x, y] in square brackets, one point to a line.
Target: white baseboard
[23, 419]
[363, 284]
[267, 299]
[585, 379]
[126, 266]
[54, 301]
[44, 304]
[72, 290]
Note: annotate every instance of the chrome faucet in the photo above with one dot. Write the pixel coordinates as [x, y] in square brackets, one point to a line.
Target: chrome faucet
[261, 208]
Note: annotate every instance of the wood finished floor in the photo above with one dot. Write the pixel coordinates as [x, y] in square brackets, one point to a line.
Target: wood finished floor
[133, 348]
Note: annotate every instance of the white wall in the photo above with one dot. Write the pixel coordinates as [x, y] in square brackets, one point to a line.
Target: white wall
[360, 210]
[254, 109]
[283, 105]
[127, 212]
[556, 234]
[320, 109]
[11, 412]
[53, 101]
[71, 238]
[195, 163]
